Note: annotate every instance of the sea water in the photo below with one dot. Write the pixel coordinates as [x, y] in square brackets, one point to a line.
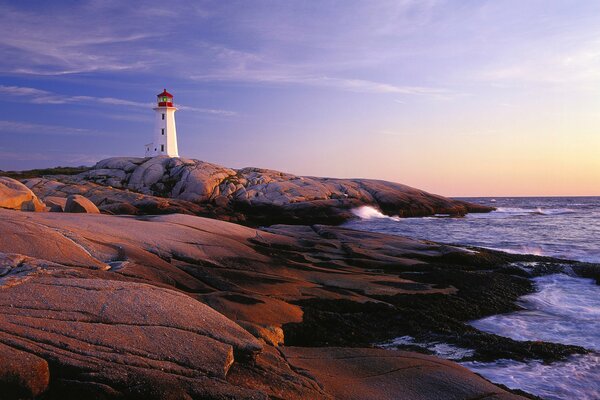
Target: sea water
[564, 309]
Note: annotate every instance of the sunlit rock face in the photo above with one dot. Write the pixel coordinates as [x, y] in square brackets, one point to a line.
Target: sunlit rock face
[253, 195]
[177, 306]
[16, 196]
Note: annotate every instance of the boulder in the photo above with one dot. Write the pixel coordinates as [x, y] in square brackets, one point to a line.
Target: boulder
[56, 204]
[149, 173]
[16, 196]
[127, 164]
[251, 195]
[79, 204]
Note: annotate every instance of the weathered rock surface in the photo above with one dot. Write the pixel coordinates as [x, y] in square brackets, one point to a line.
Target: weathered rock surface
[116, 201]
[181, 307]
[56, 204]
[78, 204]
[375, 374]
[22, 375]
[16, 196]
[252, 195]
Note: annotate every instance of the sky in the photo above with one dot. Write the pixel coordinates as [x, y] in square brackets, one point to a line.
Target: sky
[459, 98]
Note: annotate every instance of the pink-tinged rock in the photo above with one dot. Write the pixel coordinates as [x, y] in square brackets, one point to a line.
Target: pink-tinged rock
[376, 374]
[79, 204]
[16, 196]
[22, 375]
[118, 339]
[56, 204]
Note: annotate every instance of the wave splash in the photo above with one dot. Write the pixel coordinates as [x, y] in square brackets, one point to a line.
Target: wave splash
[533, 211]
[368, 212]
[575, 378]
[566, 310]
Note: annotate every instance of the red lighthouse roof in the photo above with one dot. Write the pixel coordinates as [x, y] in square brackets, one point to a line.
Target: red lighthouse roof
[165, 93]
[165, 99]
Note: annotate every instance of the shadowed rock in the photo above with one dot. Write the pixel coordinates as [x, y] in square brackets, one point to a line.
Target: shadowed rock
[56, 204]
[22, 374]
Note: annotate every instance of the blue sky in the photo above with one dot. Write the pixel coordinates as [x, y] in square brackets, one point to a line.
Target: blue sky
[456, 97]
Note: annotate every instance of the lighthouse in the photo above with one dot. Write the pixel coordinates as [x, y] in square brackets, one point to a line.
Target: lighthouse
[165, 133]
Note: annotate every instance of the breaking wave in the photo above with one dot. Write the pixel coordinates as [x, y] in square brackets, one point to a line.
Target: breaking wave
[566, 310]
[368, 212]
[533, 211]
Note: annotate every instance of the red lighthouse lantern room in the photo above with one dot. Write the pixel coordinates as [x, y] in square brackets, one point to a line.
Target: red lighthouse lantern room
[165, 99]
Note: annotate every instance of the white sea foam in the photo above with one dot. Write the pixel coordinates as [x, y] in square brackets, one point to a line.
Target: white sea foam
[575, 378]
[440, 349]
[368, 212]
[565, 310]
[516, 211]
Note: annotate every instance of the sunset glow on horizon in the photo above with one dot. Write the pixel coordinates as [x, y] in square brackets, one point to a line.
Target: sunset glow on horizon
[459, 98]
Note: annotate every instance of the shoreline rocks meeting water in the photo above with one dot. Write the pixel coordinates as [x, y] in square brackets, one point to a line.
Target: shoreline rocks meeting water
[180, 306]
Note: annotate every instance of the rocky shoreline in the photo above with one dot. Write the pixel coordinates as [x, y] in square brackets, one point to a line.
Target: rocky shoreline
[251, 196]
[180, 306]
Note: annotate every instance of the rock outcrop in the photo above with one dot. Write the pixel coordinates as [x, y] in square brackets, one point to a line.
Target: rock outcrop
[358, 374]
[56, 204]
[182, 307]
[78, 204]
[252, 195]
[16, 196]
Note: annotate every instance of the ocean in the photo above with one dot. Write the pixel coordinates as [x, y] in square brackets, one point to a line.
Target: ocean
[564, 308]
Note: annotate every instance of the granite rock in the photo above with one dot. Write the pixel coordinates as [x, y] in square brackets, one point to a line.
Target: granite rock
[16, 196]
[177, 306]
[249, 195]
[78, 204]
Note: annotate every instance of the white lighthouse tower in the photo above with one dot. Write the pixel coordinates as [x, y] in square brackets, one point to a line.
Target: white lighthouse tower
[165, 133]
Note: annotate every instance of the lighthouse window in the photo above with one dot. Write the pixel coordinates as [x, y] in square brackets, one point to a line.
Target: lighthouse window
[162, 147]
[162, 131]
[163, 116]
[165, 99]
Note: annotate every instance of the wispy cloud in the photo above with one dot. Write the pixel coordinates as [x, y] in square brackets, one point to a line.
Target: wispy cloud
[289, 76]
[286, 51]
[42, 129]
[53, 158]
[49, 41]
[38, 96]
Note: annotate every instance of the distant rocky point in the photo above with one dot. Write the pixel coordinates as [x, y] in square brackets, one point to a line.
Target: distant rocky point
[255, 196]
